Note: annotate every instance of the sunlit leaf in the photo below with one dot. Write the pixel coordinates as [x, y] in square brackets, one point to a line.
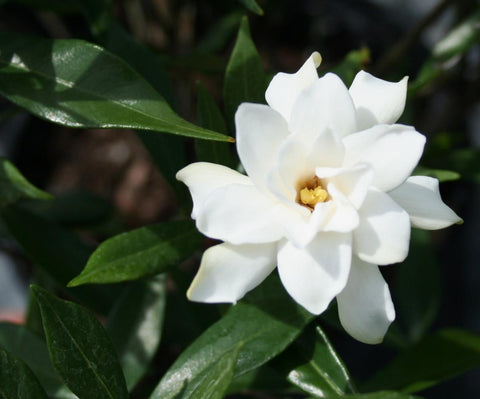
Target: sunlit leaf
[80, 349]
[78, 84]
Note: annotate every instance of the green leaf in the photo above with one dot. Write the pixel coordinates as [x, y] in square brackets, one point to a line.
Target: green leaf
[16, 380]
[13, 186]
[436, 358]
[59, 252]
[210, 117]
[141, 252]
[379, 395]
[214, 381]
[252, 6]
[135, 326]
[78, 84]
[353, 62]
[417, 292]
[266, 322]
[80, 349]
[321, 371]
[244, 76]
[440, 174]
[32, 350]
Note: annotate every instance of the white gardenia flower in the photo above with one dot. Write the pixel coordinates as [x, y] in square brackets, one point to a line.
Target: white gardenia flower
[327, 198]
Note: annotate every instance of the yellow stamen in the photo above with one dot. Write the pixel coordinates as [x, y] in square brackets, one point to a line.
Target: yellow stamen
[312, 196]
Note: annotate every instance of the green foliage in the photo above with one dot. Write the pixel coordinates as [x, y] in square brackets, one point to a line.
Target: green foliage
[16, 379]
[75, 83]
[252, 6]
[80, 349]
[139, 253]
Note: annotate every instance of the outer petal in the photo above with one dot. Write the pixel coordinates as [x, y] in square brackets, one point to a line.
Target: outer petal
[260, 131]
[313, 276]
[202, 178]
[377, 101]
[326, 104]
[383, 234]
[238, 214]
[365, 307]
[227, 272]
[284, 88]
[392, 151]
[420, 197]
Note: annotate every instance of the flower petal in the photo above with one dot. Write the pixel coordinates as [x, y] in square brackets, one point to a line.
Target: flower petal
[377, 101]
[238, 214]
[365, 306]
[227, 272]
[383, 234]
[284, 88]
[326, 104]
[314, 275]
[202, 178]
[420, 197]
[392, 151]
[260, 131]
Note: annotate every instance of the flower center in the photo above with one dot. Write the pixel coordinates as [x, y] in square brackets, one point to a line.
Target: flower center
[311, 192]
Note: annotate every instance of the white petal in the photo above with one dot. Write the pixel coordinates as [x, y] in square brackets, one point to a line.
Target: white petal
[420, 197]
[326, 150]
[383, 234]
[352, 182]
[377, 101]
[227, 272]
[202, 178]
[314, 275]
[260, 131]
[392, 151]
[365, 307]
[238, 214]
[284, 88]
[326, 104]
[294, 220]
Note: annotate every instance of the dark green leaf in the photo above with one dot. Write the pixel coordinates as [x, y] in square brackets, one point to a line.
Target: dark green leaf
[465, 161]
[321, 371]
[138, 253]
[440, 174]
[220, 33]
[252, 6]
[13, 186]
[244, 77]
[135, 326]
[16, 379]
[75, 83]
[32, 350]
[378, 395]
[417, 287]
[80, 349]
[59, 252]
[353, 62]
[436, 358]
[214, 381]
[266, 322]
[210, 117]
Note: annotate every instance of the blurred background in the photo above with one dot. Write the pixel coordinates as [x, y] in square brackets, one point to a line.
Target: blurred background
[436, 43]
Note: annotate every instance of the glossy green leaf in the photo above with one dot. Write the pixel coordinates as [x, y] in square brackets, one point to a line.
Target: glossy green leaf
[135, 326]
[252, 6]
[440, 174]
[210, 117]
[32, 350]
[141, 252]
[417, 292]
[321, 372]
[244, 77]
[266, 322]
[353, 62]
[14, 186]
[59, 252]
[214, 381]
[436, 358]
[78, 84]
[16, 380]
[80, 349]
